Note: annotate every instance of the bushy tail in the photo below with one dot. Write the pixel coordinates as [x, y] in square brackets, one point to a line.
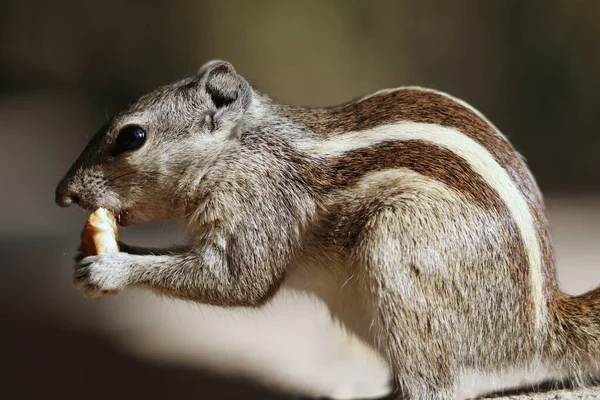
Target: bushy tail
[574, 342]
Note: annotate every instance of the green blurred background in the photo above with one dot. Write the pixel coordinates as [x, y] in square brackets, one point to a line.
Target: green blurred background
[531, 66]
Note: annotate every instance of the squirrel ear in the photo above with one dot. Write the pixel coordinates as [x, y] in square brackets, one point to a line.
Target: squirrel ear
[226, 88]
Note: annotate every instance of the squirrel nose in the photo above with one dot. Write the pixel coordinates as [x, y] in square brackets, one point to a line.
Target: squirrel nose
[65, 197]
[65, 200]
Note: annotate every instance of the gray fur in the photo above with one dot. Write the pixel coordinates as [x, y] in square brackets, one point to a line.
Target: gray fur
[435, 279]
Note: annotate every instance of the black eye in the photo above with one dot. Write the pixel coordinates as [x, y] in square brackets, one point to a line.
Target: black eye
[131, 137]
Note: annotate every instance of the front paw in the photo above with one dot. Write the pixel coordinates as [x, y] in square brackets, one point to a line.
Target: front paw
[99, 274]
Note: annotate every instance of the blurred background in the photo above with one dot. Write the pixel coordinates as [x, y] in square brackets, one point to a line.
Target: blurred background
[65, 66]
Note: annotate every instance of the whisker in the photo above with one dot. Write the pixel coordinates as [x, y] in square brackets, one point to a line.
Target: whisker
[154, 173]
[115, 173]
[120, 176]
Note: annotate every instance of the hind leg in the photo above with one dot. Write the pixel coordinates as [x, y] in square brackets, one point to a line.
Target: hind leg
[416, 321]
[420, 364]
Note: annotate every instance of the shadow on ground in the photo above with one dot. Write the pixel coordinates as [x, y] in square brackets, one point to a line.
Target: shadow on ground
[42, 361]
[49, 348]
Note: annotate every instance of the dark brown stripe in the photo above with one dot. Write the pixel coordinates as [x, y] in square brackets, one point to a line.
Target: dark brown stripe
[416, 105]
[426, 158]
[439, 164]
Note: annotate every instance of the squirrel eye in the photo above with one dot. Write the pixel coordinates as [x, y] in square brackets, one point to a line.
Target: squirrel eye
[131, 137]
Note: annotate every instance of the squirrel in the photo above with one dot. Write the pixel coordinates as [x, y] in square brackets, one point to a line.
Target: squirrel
[407, 212]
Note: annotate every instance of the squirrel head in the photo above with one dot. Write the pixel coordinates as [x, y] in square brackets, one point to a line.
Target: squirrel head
[160, 145]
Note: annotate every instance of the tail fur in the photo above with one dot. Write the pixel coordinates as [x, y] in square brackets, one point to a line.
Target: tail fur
[574, 342]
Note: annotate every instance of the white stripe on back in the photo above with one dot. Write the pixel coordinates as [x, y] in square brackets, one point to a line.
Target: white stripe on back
[480, 160]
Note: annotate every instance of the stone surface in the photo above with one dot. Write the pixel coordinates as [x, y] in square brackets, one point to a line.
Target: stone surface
[591, 393]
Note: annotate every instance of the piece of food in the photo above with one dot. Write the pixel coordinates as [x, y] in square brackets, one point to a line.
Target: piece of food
[100, 235]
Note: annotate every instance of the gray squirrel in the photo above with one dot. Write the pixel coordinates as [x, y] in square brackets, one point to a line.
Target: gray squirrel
[407, 212]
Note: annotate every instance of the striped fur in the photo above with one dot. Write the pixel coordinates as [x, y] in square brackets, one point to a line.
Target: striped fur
[481, 170]
[445, 139]
[418, 105]
[406, 211]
